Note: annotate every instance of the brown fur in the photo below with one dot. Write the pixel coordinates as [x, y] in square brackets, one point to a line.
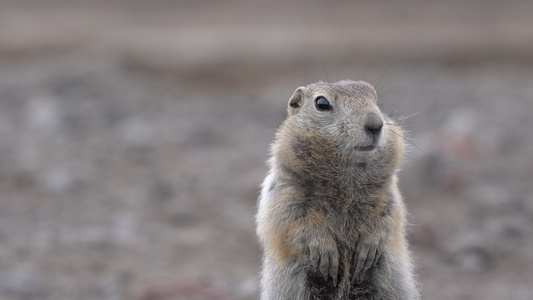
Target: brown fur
[331, 219]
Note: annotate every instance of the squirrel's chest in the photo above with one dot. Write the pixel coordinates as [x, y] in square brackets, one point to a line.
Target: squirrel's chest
[347, 215]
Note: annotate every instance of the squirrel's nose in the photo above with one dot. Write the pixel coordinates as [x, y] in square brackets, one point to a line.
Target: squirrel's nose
[373, 124]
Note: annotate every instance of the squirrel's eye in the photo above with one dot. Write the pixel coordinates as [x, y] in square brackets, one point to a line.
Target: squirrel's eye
[322, 103]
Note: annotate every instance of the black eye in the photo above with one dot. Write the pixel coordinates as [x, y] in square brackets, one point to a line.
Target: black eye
[322, 103]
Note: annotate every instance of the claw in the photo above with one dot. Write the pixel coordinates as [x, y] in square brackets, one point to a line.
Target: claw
[325, 258]
[334, 267]
[324, 265]
[370, 258]
[314, 255]
[360, 263]
[365, 256]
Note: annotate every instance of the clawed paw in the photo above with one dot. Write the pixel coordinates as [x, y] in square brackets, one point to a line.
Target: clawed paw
[325, 257]
[366, 254]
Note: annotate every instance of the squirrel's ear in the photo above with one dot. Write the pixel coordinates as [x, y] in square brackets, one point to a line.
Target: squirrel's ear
[296, 100]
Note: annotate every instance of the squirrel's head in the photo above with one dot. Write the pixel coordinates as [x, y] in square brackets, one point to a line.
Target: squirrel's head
[340, 120]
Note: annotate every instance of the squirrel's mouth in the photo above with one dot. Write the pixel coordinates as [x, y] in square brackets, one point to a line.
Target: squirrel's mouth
[368, 144]
[366, 148]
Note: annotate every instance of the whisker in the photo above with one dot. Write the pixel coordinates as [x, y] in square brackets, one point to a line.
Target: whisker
[399, 113]
[380, 94]
[326, 72]
[412, 122]
[409, 116]
[385, 86]
[381, 77]
[405, 124]
[407, 140]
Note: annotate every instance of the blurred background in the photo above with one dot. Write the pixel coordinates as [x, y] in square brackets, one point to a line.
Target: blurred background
[133, 136]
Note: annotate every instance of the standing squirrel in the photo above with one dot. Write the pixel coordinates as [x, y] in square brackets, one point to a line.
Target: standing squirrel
[331, 220]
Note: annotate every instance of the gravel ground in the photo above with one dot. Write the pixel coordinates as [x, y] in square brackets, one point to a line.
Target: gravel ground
[133, 139]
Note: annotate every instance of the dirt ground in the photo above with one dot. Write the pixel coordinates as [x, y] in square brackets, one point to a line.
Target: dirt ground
[133, 136]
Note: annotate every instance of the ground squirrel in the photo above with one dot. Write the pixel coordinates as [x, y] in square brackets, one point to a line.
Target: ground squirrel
[331, 220]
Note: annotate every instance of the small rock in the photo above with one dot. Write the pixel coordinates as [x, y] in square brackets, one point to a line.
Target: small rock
[57, 180]
[24, 282]
[125, 228]
[471, 259]
[43, 115]
[161, 191]
[137, 133]
[248, 288]
[179, 290]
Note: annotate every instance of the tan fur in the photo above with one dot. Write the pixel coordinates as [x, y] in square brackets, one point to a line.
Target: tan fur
[331, 220]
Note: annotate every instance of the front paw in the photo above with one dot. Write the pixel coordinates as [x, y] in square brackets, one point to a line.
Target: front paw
[366, 254]
[325, 257]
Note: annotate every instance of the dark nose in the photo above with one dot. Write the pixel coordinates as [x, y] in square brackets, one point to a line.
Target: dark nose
[373, 124]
